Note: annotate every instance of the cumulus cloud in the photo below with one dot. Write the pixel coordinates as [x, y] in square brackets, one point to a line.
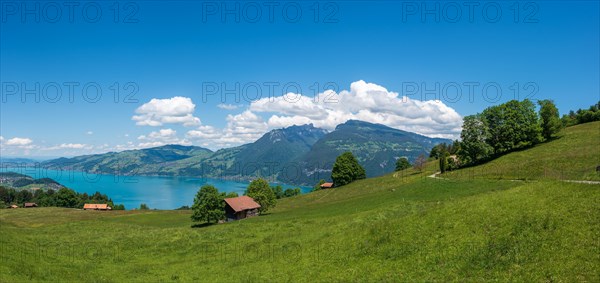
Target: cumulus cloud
[364, 101]
[228, 106]
[19, 141]
[241, 128]
[160, 138]
[89, 133]
[204, 132]
[16, 146]
[157, 112]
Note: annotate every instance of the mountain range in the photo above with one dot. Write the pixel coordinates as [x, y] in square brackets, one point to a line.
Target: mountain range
[300, 155]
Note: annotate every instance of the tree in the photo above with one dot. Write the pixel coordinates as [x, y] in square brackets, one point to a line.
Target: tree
[346, 170]
[119, 207]
[474, 135]
[551, 123]
[512, 125]
[66, 198]
[434, 153]
[278, 191]
[444, 161]
[230, 195]
[420, 162]
[291, 192]
[402, 163]
[144, 206]
[208, 205]
[261, 192]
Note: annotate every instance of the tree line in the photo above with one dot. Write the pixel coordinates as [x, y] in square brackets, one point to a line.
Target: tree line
[582, 116]
[500, 129]
[507, 127]
[63, 197]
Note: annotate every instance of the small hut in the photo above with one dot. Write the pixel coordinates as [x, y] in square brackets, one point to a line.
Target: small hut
[326, 185]
[14, 206]
[240, 207]
[96, 206]
[30, 204]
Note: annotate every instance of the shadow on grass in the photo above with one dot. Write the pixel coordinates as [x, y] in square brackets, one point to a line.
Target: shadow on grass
[202, 225]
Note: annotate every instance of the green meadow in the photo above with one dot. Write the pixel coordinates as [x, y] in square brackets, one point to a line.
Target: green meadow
[520, 225]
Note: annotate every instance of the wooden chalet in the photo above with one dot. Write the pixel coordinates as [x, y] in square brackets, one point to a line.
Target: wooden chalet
[326, 185]
[240, 208]
[96, 206]
[30, 204]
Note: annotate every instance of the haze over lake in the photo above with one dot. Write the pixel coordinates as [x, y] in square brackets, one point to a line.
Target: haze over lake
[161, 192]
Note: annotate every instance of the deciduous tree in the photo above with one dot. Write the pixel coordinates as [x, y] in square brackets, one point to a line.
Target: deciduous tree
[208, 205]
[346, 170]
[261, 192]
[420, 162]
[475, 135]
[402, 163]
[549, 115]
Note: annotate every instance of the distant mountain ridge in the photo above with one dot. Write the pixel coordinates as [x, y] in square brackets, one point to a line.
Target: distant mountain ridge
[376, 146]
[149, 161]
[299, 155]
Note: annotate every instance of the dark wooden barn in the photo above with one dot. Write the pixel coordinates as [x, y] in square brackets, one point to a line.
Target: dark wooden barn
[240, 207]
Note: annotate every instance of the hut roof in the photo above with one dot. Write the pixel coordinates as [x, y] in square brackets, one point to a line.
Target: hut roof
[327, 185]
[95, 206]
[242, 203]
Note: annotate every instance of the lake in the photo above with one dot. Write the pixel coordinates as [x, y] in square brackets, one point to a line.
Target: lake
[156, 191]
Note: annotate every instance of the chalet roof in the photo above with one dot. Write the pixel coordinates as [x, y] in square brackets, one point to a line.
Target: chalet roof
[242, 203]
[327, 185]
[95, 206]
[30, 204]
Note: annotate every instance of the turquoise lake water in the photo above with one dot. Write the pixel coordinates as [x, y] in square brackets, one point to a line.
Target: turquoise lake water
[156, 192]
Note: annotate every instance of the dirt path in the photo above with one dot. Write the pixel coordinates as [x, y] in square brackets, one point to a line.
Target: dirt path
[434, 176]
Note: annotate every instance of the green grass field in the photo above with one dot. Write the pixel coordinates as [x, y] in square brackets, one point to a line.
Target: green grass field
[400, 227]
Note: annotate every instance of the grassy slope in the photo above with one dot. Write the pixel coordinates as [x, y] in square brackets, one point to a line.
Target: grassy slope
[400, 227]
[573, 156]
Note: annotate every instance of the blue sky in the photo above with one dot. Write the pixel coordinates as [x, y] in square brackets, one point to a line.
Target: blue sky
[372, 54]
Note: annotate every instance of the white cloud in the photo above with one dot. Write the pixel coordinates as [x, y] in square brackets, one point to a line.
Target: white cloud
[241, 128]
[72, 145]
[365, 101]
[160, 138]
[67, 146]
[161, 134]
[290, 104]
[19, 141]
[204, 132]
[228, 106]
[89, 133]
[176, 110]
